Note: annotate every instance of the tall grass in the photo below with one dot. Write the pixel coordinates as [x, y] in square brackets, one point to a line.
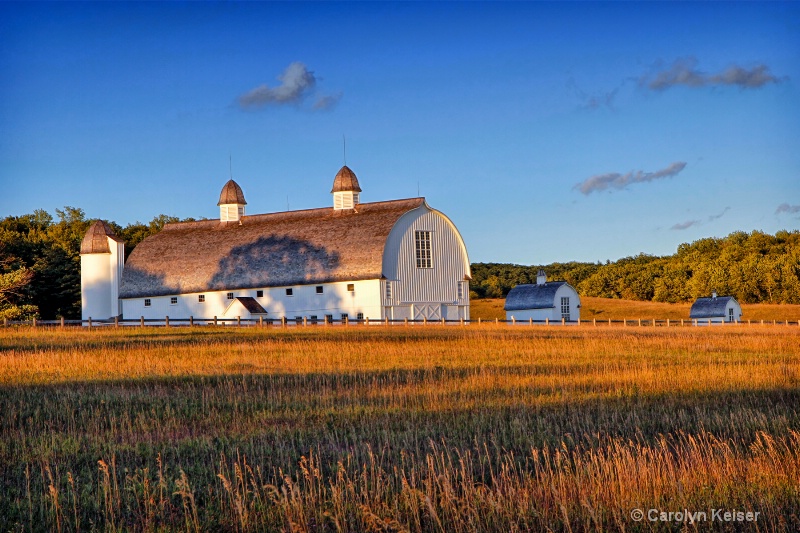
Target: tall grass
[392, 429]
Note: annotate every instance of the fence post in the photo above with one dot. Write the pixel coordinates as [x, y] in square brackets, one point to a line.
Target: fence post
[668, 322]
[191, 320]
[305, 322]
[283, 321]
[640, 322]
[709, 322]
[579, 321]
[116, 321]
[215, 320]
[479, 321]
[513, 320]
[141, 321]
[443, 321]
[166, 321]
[654, 322]
[261, 321]
[5, 322]
[594, 322]
[530, 321]
[609, 321]
[34, 321]
[386, 320]
[238, 320]
[90, 322]
[547, 321]
[405, 321]
[563, 321]
[496, 320]
[462, 320]
[681, 321]
[62, 321]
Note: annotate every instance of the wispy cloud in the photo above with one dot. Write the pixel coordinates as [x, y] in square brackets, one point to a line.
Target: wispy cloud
[786, 208]
[297, 83]
[593, 101]
[615, 180]
[686, 225]
[684, 72]
[720, 215]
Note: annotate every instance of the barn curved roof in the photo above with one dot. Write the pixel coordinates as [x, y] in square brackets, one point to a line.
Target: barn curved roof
[231, 194]
[96, 239]
[710, 307]
[276, 249]
[345, 180]
[533, 296]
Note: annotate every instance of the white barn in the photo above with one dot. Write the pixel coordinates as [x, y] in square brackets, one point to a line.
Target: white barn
[553, 300]
[716, 309]
[396, 259]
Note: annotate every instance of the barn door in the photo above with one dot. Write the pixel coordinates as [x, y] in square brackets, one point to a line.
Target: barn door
[429, 311]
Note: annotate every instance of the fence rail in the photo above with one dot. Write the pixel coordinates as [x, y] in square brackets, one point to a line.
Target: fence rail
[307, 322]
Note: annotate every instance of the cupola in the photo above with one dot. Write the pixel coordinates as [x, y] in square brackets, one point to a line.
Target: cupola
[231, 202]
[345, 189]
[541, 277]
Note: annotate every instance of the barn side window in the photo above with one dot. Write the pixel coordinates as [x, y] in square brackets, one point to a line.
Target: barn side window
[201, 298]
[565, 307]
[259, 294]
[351, 287]
[173, 300]
[319, 289]
[422, 249]
[230, 296]
[360, 317]
[289, 292]
[388, 290]
[460, 290]
[147, 302]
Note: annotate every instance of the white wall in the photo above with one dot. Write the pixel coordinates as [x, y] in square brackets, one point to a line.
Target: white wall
[304, 302]
[411, 286]
[100, 278]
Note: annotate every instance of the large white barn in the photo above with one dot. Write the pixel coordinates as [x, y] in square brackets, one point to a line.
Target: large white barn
[396, 259]
[716, 309]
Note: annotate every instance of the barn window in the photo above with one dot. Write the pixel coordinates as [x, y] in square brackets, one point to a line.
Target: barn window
[351, 287]
[565, 307]
[259, 294]
[345, 317]
[460, 290]
[230, 296]
[730, 314]
[201, 298]
[319, 289]
[388, 290]
[173, 300]
[313, 319]
[328, 319]
[298, 320]
[289, 292]
[422, 249]
[147, 302]
[360, 317]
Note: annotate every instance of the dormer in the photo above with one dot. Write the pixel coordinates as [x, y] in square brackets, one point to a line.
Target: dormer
[345, 189]
[231, 202]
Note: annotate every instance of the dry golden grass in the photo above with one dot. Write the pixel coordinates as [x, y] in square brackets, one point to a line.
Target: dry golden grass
[479, 428]
[605, 308]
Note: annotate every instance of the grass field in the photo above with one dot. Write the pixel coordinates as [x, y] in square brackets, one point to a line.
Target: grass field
[605, 308]
[479, 428]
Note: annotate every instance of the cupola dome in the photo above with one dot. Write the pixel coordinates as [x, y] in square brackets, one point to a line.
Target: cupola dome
[231, 202]
[345, 189]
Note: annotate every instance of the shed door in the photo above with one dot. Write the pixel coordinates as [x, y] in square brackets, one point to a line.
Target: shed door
[730, 314]
[429, 311]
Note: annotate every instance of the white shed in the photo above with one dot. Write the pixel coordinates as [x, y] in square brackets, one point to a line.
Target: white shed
[394, 259]
[553, 300]
[716, 309]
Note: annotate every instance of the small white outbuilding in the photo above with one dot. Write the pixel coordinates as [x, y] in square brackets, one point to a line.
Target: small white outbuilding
[553, 300]
[716, 309]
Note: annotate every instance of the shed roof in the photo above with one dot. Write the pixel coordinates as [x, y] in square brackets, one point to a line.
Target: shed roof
[252, 306]
[96, 239]
[533, 296]
[710, 307]
[231, 194]
[276, 249]
[345, 180]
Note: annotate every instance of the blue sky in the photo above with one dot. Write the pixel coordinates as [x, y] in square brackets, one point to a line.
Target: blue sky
[545, 131]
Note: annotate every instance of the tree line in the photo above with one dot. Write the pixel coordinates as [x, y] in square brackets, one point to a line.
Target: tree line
[752, 267]
[40, 267]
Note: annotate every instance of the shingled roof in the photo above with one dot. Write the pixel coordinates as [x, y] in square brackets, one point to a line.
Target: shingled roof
[276, 249]
[710, 307]
[533, 296]
[96, 239]
[345, 180]
[231, 194]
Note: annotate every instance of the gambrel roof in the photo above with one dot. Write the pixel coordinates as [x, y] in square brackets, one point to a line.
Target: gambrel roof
[533, 296]
[710, 307]
[276, 249]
